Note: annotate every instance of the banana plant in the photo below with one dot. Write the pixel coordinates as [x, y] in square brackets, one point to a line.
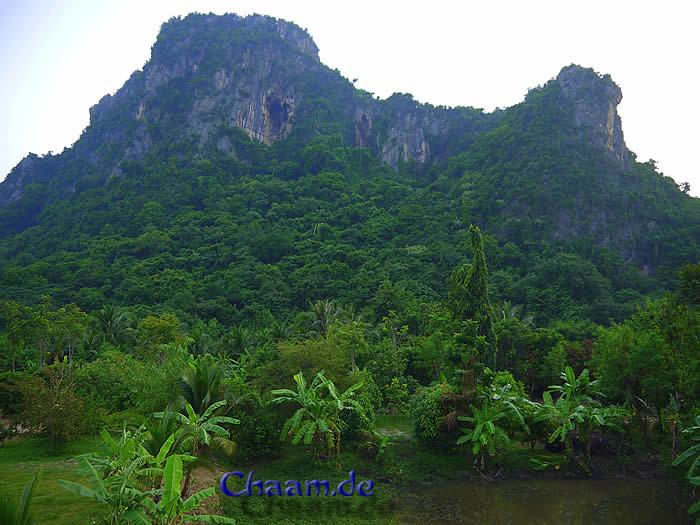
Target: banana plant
[317, 421]
[126, 503]
[17, 511]
[117, 476]
[169, 507]
[577, 413]
[129, 450]
[692, 453]
[484, 431]
[198, 431]
[205, 429]
[117, 491]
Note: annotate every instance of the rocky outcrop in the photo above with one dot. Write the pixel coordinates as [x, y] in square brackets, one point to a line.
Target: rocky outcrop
[595, 98]
[210, 73]
[22, 175]
[406, 141]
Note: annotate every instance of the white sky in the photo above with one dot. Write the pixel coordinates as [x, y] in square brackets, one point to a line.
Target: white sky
[60, 57]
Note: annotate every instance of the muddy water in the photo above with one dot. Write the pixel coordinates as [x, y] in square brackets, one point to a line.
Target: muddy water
[548, 502]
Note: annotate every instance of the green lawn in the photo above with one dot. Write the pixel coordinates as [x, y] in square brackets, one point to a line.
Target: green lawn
[21, 458]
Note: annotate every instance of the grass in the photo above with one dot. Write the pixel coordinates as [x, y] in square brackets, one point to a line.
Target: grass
[400, 422]
[21, 458]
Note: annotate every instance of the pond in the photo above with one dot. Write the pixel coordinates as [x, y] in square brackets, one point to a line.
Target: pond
[545, 502]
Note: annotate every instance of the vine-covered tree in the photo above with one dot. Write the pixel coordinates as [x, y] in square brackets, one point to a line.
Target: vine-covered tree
[468, 296]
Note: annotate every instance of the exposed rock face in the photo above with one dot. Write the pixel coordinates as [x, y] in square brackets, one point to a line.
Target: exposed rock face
[210, 73]
[595, 101]
[363, 128]
[247, 90]
[20, 176]
[250, 89]
[267, 118]
[406, 141]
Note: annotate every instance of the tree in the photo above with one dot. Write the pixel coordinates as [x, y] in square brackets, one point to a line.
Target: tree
[468, 295]
[201, 383]
[317, 422]
[324, 313]
[16, 321]
[158, 334]
[349, 338]
[69, 325]
[51, 405]
[689, 289]
[114, 326]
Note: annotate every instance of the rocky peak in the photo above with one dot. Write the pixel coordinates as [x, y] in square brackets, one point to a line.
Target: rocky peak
[213, 71]
[209, 73]
[297, 37]
[595, 98]
[229, 29]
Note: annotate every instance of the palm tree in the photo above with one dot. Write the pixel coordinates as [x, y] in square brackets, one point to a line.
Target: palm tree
[158, 430]
[14, 511]
[508, 310]
[324, 313]
[201, 383]
[351, 314]
[113, 325]
[237, 341]
[279, 331]
[317, 421]
[201, 342]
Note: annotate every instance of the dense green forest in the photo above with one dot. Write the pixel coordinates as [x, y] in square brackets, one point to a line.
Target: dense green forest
[516, 300]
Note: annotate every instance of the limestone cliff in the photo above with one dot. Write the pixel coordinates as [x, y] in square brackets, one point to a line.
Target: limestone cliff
[595, 100]
[208, 74]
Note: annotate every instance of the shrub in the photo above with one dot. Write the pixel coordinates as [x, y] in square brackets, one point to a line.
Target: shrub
[429, 410]
[258, 432]
[356, 425]
[396, 396]
[52, 406]
[10, 394]
[120, 382]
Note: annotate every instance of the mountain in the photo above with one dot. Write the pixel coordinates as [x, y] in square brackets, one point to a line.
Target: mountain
[235, 175]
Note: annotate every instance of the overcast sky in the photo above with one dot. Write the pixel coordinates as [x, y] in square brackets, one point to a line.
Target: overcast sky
[60, 57]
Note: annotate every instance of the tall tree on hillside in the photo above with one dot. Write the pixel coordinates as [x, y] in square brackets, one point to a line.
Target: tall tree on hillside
[468, 295]
[69, 324]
